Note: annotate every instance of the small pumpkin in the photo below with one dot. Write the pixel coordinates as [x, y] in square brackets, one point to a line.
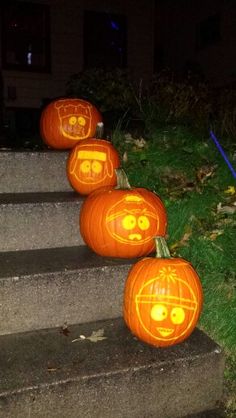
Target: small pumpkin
[64, 122]
[162, 298]
[91, 164]
[122, 221]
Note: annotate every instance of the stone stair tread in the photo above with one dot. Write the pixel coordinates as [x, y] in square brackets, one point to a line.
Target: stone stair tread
[45, 371]
[39, 197]
[36, 284]
[29, 262]
[33, 171]
[39, 220]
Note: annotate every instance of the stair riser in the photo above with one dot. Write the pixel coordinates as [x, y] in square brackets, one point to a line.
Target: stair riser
[39, 225]
[123, 395]
[52, 299]
[22, 172]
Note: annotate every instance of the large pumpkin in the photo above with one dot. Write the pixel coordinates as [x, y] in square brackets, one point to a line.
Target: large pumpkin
[91, 164]
[122, 221]
[64, 122]
[162, 298]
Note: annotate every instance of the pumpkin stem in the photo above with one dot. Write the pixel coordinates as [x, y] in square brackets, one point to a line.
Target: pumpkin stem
[99, 130]
[122, 180]
[162, 250]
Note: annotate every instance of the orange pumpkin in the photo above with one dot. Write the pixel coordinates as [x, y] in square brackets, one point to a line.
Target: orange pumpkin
[64, 122]
[122, 221]
[162, 298]
[91, 164]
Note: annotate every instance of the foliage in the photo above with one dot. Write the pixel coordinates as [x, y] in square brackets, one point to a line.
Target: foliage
[172, 99]
[169, 98]
[109, 90]
[189, 174]
[226, 111]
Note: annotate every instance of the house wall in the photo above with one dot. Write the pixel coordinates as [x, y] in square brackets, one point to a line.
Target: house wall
[67, 48]
[176, 23]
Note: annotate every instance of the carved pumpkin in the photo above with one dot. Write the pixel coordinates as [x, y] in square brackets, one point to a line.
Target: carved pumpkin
[122, 221]
[64, 122]
[162, 298]
[91, 164]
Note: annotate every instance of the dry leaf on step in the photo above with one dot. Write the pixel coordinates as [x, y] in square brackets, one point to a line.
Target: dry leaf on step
[94, 337]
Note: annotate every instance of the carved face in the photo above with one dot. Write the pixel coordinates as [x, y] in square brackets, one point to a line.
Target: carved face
[64, 122]
[162, 300]
[121, 222]
[75, 120]
[164, 314]
[132, 220]
[91, 164]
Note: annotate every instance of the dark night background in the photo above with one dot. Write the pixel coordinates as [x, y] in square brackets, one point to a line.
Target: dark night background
[43, 44]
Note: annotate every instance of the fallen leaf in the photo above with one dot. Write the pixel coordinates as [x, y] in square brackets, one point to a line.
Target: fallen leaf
[216, 233]
[94, 337]
[205, 172]
[231, 190]
[125, 157]
[183, 241]
[229, 209]
[97, 336]
[128, 138]
[140, 143]
[52, 367]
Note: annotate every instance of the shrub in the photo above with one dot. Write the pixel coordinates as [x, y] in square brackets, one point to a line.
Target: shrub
[108, 90]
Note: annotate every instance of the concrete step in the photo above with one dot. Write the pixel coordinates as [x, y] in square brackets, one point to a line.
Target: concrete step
[33, 171]
[51, 374]
[50, 287]
[39, 220]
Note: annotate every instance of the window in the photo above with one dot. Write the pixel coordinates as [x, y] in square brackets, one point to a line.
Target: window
[25, 36]
[104, 40]
[208, 32]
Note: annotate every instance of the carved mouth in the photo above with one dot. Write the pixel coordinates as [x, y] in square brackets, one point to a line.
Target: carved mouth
[134, 237]
[165, 332]
[74, 132]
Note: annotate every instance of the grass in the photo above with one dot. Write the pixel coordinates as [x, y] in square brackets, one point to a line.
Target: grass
[191, 177]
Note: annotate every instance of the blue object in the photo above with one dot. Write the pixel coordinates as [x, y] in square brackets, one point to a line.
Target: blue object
[114, 25]
[223, 153]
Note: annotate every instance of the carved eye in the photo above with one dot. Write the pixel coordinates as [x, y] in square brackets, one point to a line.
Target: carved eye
[96, 167]
[85, 166]
[143, 223]
[129, 222]
[72, 120]
[159, 312]
[177, 315]
[81, 121]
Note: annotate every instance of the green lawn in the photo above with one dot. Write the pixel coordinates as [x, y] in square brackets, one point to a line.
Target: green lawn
[189, 174]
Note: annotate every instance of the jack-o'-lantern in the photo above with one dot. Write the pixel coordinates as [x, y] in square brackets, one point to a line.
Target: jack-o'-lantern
[122, 221]
[64, 122]
[91, 164]
[162, 298]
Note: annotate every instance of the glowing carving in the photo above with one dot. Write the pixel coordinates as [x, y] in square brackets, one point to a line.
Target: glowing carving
[65, 122]
[91, 164]
[162, 298]
[121, 221]
[167, 310]
[134, 224]
[75, 119]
